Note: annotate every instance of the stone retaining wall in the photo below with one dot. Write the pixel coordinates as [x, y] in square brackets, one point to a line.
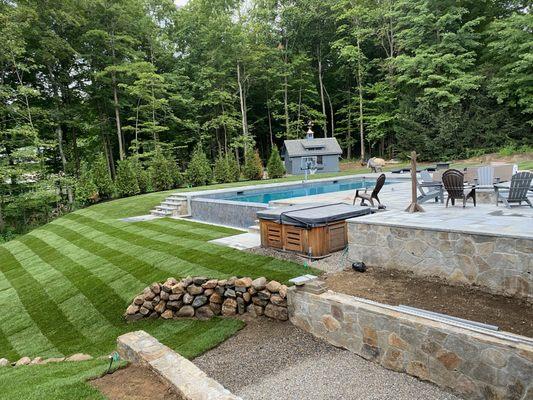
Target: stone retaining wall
[190, 382]
[472, 364]
[502, 265]
[204, 298]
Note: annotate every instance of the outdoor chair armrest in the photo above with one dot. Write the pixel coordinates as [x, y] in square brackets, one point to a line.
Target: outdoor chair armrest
[501, 186]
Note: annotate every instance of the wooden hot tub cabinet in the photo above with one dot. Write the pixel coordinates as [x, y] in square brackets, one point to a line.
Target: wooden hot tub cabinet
[316, 241]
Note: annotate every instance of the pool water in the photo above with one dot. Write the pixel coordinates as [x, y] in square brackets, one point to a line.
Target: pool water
[306, 189]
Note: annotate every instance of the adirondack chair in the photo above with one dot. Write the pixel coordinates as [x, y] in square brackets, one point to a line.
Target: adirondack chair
[429, 189]
[454, 183]
[485, 176]
[516, 192]
[374, 195]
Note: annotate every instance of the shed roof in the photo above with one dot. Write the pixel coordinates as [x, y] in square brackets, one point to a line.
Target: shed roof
[311, 147]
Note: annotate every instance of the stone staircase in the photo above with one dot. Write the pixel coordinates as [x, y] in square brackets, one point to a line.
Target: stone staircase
[173, 206]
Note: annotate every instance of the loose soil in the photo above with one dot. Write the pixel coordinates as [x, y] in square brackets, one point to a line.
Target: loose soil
[432, 294]
[134, 383]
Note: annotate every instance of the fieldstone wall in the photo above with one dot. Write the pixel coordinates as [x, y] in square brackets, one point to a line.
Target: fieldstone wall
[471, 364]
[190, 382]
[203, 298]
[501, 265]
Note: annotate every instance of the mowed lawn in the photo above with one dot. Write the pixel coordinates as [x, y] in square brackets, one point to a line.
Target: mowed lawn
[64, 287]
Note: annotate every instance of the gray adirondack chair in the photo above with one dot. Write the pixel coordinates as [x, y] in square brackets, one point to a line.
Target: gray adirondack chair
[428, 188]
[516, 192]
[485, 176]
[426, 176]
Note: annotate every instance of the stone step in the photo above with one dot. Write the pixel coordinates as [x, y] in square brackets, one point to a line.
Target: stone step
[160, 213]
[166, 208]
[171, 204]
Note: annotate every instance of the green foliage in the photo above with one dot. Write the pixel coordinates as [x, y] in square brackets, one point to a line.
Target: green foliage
[102, 179]
[226, 169]
[234, 170]
[198, 171]
[126, 181]
[253, 166]
[275, 166]
[141, 174]
[512, 149]
[85, 190]
[162, 171]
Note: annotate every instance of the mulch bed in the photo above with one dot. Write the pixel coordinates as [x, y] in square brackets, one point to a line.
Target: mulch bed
[134, 383]
[432, 294]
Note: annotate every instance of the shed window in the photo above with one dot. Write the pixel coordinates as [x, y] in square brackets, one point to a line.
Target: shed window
[319, 160]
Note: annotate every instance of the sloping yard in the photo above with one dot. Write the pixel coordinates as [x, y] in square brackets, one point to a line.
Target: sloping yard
[65, 286]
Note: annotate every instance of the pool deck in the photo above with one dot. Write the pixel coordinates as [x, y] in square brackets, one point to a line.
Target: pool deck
[487, 219]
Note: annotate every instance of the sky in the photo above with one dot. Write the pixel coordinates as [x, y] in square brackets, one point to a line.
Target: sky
[180, 2]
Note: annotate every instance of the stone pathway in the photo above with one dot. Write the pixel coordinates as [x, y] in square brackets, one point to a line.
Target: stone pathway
[275, 360]
[242, 241]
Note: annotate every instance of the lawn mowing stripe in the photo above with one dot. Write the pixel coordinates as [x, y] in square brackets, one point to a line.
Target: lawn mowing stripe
[173, 266]
[141, 270]
[228, 262]
[178, 250]
[120, 283]
[199, 229]
[43, 311]
[6, 348]
[102, 296]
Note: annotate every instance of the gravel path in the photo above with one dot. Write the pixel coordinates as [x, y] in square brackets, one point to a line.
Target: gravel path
[276, 360]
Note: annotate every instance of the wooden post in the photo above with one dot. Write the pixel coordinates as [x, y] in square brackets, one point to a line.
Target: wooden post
[414, 206]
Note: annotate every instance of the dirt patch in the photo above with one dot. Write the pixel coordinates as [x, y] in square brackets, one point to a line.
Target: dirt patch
[134, 383]
[397, 287]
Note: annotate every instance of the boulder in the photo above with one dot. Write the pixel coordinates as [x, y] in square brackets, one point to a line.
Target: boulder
[132, 309]
[273, 286]
[259, 283]
[216, 308]
[175, 297]
[230, 293]
[263, 295]
[185, 311]
[186, 281]
[195, 290]
[37, 361]
[247, 297]
[244, 282]
[167, 314]
[231, 281]
[250, 309]
[148, 295]
[252, 290]
[199, 280]
[54, 360]
[187, 298]
[4, 362]
[134, 317]
[241, 306]
[204, 312]
[216, 298]
[259, 310]
[199, 301]
[138, 301]
[220, 290]
[169, 284]
[276, 312]
[154, 287]
[259, 302]
[23, 361]
[278, 301]
[283, 291]
[208, 292]
[241, 289]
[148, 305]
[222, 282]
[229, 307]
[79, 357]
[174, 305]
[160, 307]
[210, 284]
[178, 289]
[144, 311]
[164, 296]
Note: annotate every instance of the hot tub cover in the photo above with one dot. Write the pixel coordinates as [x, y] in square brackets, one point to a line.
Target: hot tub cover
[313, 215]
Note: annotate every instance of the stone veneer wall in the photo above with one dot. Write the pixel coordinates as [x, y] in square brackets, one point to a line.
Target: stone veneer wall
[502, 265]
[471, 364]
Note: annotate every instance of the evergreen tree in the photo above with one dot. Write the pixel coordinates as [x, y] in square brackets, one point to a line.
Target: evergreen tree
[102, 179]
[275, 166]
[126, 180]
[85, 189]
[221, 170]
[142, 175]
[253, 166]
[234, 170]
[161, 172]
[198, 171]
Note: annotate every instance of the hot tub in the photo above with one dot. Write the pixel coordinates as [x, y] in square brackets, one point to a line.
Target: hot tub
[314, 230]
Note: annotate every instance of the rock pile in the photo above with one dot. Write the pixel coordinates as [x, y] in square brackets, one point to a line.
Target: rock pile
[203, 298]
[39, 360]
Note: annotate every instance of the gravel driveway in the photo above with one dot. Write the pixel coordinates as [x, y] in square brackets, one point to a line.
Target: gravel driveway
[276, 360]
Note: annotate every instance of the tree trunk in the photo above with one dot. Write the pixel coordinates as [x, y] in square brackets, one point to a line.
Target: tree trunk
[332, 115]
[243, 104]
[349, 129]
[322, 101]
[299, 107]
[116, 102]
[75, 151]
[286, 90]
[360, 90]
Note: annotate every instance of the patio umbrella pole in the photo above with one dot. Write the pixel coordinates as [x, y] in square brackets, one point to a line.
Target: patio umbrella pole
[414, 206]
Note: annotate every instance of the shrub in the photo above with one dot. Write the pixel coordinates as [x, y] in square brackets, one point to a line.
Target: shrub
[275, 166]
[102, 179]
[221, 172]
[198, 171]
[234, 170]
[253, 166]
[142, 175]
[85, 190]
[126, 180]
[161, 172]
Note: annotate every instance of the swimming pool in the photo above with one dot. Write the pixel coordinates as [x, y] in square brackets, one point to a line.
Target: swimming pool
[299, 190]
